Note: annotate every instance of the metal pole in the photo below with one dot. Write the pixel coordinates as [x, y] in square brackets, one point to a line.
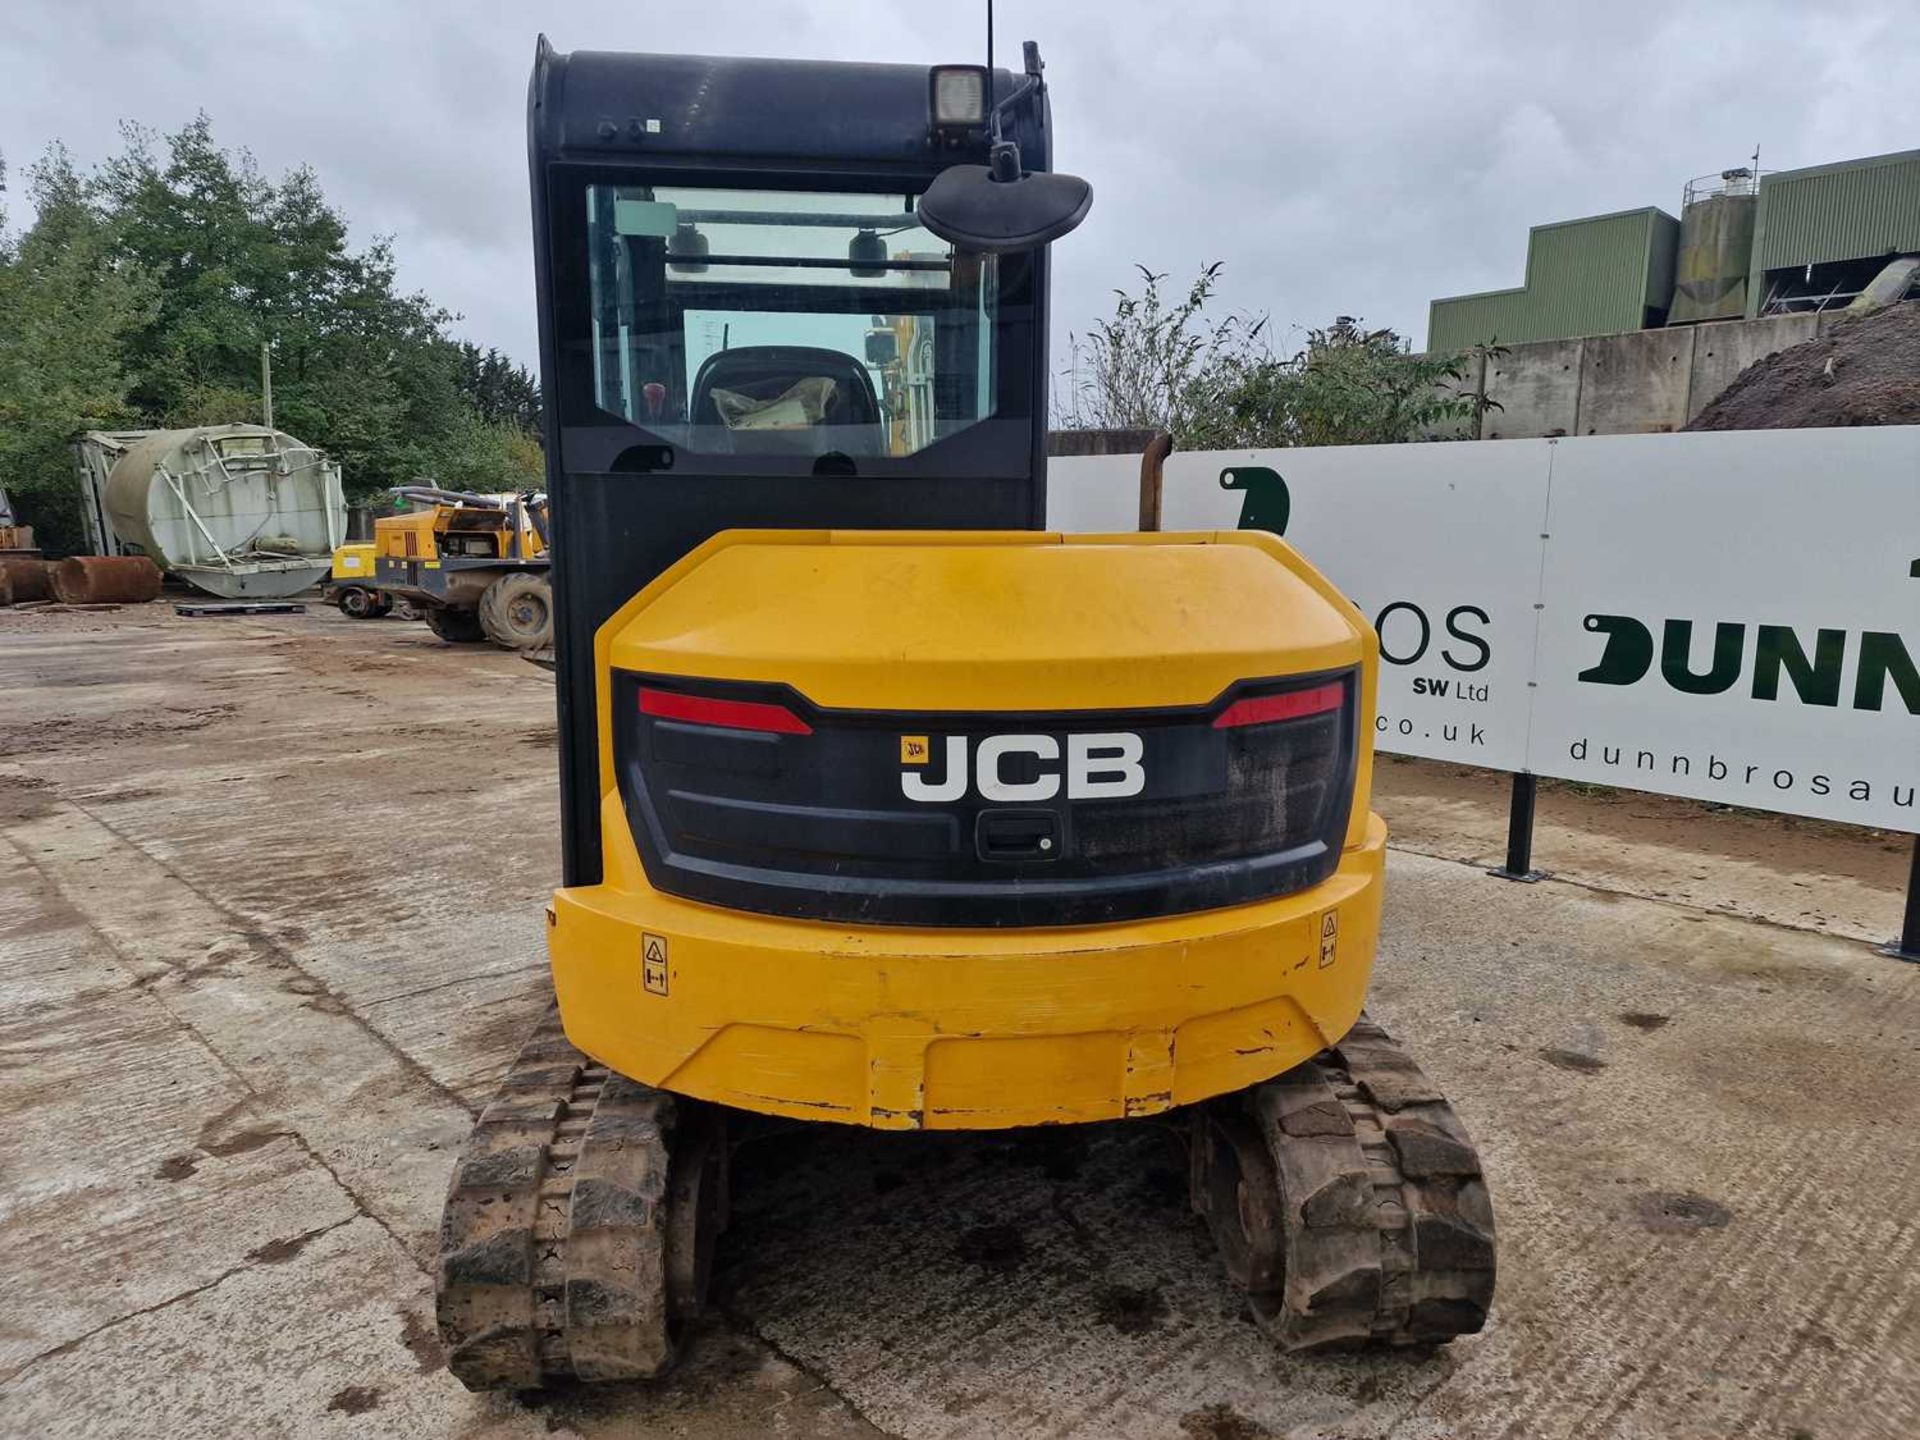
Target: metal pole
[266, 385]
[1152, 480]
[1519, 864]
[1907, 946]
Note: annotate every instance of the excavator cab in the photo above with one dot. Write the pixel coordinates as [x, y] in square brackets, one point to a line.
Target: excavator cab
[881, 805]
[716, 240]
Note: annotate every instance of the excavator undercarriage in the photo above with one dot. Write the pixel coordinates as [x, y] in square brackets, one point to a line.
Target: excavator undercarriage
[1344, 1196]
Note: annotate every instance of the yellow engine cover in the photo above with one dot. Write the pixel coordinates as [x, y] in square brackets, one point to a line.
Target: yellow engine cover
[353, 563]
[955, 1028]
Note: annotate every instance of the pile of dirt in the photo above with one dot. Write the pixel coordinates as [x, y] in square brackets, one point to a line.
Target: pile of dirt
[1864, 371]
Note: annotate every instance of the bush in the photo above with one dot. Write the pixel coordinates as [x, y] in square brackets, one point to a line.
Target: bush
[1215, 384]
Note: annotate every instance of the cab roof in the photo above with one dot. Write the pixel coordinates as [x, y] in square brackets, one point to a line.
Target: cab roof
[593, 104]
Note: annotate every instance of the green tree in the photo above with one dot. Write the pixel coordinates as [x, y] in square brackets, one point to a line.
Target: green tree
[490, 457]
[142, 293]
[192, 220]
[70, 302]
[500, 391]
[360, 368]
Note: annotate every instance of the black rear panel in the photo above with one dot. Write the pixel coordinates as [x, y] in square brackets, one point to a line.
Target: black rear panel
[749, 796]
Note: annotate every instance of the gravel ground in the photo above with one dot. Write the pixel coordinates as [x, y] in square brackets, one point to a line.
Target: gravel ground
[270, 914]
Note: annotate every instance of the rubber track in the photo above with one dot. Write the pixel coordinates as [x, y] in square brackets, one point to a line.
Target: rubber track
[552, 1243]
[1388, 1230]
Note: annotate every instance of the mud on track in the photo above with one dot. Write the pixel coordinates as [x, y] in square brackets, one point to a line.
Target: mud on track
[270, 918]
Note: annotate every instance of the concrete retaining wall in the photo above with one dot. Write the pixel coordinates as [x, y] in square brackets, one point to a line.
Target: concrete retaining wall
[1723, 351]
[1633, 383]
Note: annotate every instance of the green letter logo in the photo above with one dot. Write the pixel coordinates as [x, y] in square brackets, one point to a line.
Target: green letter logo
[1265, 504]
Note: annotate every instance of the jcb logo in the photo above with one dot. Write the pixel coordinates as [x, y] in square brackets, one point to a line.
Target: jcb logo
[1097, 767]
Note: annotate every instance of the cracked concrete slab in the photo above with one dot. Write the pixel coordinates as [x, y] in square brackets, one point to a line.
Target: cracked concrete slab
[378, 1116]
[124, 1185]
[361, 1362]
[264, 945]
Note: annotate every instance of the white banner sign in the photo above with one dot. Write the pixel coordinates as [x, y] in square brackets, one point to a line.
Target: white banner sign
[1730, 616]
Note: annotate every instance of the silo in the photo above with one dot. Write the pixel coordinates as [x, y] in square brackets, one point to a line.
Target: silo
[238, 510]
[1716, 246]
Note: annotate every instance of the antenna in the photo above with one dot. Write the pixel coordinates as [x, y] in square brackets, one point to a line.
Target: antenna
[989, 57]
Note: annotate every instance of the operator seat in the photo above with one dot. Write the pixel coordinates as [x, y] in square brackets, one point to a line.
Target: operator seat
[851, 422]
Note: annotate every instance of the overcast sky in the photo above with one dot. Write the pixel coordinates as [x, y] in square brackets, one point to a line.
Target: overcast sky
[1346, 156]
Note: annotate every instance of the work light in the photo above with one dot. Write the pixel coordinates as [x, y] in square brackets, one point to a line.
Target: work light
[958, 96]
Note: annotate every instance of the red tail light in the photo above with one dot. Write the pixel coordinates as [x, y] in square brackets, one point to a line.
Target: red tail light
[1287, 705]
[730, 714]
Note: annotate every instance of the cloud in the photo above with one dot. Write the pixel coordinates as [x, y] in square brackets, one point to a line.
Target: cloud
[1358, 158]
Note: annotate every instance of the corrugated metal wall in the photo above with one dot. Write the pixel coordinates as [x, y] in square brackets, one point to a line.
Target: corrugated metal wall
[1839, 212]
[1851, 211]
[1584, 277]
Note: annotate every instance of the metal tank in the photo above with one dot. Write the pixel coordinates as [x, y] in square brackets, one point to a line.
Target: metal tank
[241, 511]
[1717, 216]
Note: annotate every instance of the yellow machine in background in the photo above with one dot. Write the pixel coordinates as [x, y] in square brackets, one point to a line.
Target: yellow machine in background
[900, 349]
[473, 566]
[16, 540]
[351, 583]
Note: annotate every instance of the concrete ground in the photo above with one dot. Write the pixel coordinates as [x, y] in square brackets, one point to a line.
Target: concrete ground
[270, 915]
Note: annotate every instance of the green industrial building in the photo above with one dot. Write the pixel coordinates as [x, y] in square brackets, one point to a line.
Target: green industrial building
[1785, 242]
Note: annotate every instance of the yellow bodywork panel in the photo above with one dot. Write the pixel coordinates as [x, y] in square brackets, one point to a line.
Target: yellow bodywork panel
[406, 537]
[958, 1029]
[353, 562]
[1007, 621]
[951, 1028]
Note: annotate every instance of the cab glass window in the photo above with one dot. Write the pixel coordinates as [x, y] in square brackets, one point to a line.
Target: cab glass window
[765, 323]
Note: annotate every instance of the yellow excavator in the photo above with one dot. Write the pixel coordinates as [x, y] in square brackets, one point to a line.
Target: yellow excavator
[882, 806]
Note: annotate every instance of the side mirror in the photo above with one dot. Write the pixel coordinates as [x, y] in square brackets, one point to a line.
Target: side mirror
[998, 209]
